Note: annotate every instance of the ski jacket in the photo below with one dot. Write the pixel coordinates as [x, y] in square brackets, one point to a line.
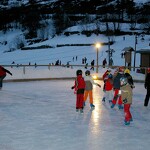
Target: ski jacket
[105, 75]
[79, 84]
[126, 93]
[108, 84]
[3, 71]
[89, 83]
[116, 80]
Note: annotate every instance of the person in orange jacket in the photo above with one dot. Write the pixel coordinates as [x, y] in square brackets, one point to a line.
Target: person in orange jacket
[3, 72]
[79, 87]
[88, 88]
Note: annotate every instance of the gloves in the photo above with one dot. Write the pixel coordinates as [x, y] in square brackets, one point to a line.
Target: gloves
[72, 87]
[104, 90]
[132, 86]
[11, 74]
[125, 101]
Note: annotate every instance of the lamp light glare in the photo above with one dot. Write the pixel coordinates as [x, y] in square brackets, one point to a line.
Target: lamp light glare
[98, 45]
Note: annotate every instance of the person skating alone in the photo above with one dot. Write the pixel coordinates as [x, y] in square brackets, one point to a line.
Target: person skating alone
[126, 94]
[88, 88]
[147, 87]
[79, 87]
[3, 72]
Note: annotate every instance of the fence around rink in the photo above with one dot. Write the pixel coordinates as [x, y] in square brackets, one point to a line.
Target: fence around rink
[54, 72]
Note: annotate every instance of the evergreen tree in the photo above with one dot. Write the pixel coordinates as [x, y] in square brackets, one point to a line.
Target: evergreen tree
[31, 19]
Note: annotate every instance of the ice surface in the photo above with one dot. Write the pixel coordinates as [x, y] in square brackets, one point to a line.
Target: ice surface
[41, 116]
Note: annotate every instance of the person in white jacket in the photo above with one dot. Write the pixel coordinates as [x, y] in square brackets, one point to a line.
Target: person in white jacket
[88, 88]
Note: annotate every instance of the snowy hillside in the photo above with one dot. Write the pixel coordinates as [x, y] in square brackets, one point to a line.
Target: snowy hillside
[65, 54]
[10, 53]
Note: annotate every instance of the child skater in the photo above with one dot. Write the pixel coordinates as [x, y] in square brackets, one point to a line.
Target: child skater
[126, 93]
[116, 85]
[108, 88]
[104, 77]
[89, 87]
[79, 88]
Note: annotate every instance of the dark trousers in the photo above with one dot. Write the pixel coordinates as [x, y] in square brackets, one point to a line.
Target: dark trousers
[1, 80]
[147, 97]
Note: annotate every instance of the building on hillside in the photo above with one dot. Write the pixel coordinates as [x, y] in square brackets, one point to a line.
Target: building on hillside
[128, 56]
[145, 58]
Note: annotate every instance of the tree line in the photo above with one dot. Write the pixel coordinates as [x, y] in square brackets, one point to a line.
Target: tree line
[62, 14]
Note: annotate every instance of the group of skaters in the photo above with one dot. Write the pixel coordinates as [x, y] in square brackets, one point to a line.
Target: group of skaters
[117, 89]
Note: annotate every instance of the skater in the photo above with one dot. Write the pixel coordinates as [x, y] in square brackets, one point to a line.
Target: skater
[3, 72]
[116, 84]
[111, 62]
[126, 94]
[104, 77]
[147, 86]
[79, 87]
[88, 88]
[104, 63]
[108, 88]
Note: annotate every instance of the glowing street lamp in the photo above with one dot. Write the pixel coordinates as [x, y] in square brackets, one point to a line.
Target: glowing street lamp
[97, 45]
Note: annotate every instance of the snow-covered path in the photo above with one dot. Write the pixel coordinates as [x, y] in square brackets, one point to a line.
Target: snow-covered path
[41, 116]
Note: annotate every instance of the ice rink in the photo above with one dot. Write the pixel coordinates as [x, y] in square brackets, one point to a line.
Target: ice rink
[41, 115]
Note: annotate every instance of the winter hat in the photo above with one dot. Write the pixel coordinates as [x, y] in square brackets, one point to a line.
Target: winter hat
[79, 72]
[127, 71]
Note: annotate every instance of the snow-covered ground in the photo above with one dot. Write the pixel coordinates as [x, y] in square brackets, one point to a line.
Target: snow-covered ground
[65, 54]
[41, 116]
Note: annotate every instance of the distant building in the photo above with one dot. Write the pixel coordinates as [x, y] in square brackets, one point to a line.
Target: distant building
[145, 57]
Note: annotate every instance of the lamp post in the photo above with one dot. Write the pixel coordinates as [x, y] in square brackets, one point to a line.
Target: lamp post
[97, 48]
[135, 51]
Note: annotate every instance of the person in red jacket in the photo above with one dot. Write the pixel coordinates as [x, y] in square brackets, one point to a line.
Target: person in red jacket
[3, 72]
[108, 88]
[79, 87]
[104, 77]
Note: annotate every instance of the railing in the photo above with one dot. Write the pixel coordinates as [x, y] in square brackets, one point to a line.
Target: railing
[49, 66]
